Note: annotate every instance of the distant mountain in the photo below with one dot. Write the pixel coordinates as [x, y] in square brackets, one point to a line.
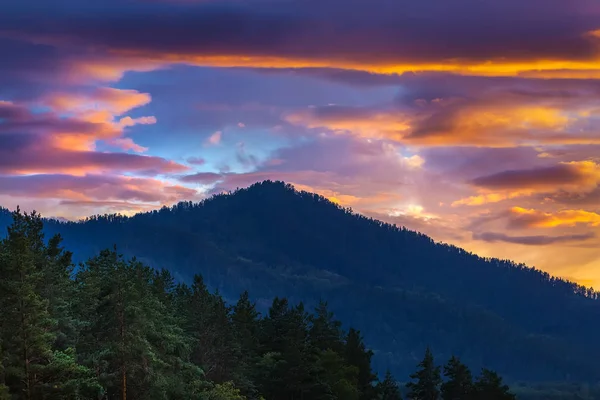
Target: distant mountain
[399, 287]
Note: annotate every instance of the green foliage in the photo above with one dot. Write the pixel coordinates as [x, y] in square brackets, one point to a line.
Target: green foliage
[359, 356]
[118, 329]
[223, 391]
[37, 320]
[489, 386]
[341, 378]
[4, 392]
[427, 380]
[132, 337]
[401, 289]
[69, 380]
[388, 388]
[459, 382]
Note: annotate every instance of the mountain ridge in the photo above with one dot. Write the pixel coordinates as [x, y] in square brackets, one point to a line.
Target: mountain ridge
[401, 288]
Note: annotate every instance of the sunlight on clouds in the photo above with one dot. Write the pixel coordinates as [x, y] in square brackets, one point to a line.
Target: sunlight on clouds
[128, 121]
[366, 123]
[412, 210]
[101, 107]
[547, 69]
[489, 198]
[539, 219]
[569, 177]
[116, 101]
[453, 121]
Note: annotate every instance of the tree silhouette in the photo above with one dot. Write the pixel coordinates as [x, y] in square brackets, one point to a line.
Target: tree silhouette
[426, 381]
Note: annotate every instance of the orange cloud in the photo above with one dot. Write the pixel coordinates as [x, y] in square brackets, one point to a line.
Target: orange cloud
[128, 144]
[542, 68]
[362, 122]
[538, 219]
[569, 177]
[115, 101]
[101, 107]
[482, 119]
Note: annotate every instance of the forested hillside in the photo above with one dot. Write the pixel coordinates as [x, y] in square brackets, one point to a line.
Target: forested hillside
[117, 329]
[399, 288]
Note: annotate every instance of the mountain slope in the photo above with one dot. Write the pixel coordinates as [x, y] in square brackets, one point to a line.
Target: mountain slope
[399, 287]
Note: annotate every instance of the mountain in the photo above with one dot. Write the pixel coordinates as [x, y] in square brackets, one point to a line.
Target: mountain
[400, 288]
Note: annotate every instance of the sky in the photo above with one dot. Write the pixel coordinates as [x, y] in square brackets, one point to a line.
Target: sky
[476, 122]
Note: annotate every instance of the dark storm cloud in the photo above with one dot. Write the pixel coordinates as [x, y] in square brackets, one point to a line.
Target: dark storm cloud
[354, 31]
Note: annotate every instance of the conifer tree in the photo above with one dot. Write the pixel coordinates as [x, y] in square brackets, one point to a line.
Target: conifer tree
[208, 325]
[246, 327]
[426, 380]
[325, 332]
[358, 355]
[489, 386]
[285, 340]
[32, 365]
[26, 323]
[459, 382]
[340, 377]
[132, 339]
[388, 388]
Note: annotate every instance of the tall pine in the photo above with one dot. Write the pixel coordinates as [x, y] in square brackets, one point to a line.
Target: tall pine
[459, 382]
[388, 388]
[37, 331]
[489, 386]
[426, 381]
[358, 355]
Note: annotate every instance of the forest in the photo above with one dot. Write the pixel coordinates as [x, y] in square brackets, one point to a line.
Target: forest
[115, 328]
[403, 291]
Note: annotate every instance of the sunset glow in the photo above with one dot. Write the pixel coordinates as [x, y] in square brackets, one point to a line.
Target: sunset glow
[424, 114]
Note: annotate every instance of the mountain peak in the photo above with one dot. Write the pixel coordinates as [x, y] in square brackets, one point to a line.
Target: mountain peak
[399, 287]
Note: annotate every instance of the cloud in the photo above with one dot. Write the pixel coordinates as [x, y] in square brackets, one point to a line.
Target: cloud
[532, 240]
[446, 110]
[374, 36]
[204, 178]
[529, 218]
[196, 161]
[128, 121]
[128, 144]
[115, 101]
[93, 188]
[62, 137]
[571, 177]
[31, 154]
[76, 121]
[214, 139]
[366, 175]
[583, 173]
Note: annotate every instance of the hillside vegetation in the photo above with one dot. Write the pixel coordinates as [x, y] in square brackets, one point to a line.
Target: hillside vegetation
[402, 290]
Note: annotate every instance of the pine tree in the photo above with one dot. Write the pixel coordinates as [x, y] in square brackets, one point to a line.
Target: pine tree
[36, 327]
[325, 332]
[207, 323]
[459, 384]
[246, 327]
[285, 339]
[132, 338]
[27, 326]
[339, 375]
[388, 388]
[427, 379]
[224, 391]
[489, 386]
[356, 354]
